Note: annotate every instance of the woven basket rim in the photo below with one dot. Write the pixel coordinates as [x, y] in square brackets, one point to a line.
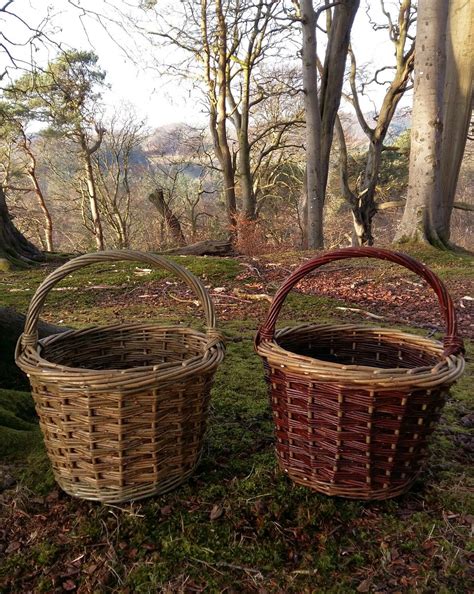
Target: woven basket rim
[447, 370]
[34, 364]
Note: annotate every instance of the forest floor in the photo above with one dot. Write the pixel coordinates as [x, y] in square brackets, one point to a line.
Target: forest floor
[239, 525]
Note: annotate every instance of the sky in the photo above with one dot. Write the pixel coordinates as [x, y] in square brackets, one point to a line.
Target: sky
[158, 100]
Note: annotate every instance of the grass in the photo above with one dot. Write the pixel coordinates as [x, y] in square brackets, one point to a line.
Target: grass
[238, 525]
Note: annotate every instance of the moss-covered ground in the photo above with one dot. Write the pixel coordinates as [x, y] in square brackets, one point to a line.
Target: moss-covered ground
[238, 525]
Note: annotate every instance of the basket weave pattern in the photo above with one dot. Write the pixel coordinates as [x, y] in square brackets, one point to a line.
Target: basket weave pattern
[353, 406]
[123, 408]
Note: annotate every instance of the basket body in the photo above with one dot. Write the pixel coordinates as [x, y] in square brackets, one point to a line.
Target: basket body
[113, 440]
[354, 406]
[357, 439]
[122, 408]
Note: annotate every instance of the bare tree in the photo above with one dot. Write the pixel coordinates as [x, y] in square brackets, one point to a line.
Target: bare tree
[113, 169]
[321, 107]
[224, 45]
[256, 31]
[362, 198]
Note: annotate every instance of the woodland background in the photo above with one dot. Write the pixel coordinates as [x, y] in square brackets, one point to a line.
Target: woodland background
[289, 158]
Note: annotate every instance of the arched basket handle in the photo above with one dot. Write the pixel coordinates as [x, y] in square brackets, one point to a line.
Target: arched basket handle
[453, 344]
[29, 338]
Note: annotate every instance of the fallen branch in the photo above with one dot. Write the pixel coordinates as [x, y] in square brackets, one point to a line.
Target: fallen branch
[463, 206]
[391, 204]
[252, 296]
[204, 248]
[361, 311]
[188, 301]
[218, 295]
[401, 204]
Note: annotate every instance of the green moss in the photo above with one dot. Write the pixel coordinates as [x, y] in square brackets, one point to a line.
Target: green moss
[35, 472]
[19, 433]
[45, 553]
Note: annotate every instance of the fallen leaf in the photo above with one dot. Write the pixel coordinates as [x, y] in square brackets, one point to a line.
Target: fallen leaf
[69, 585]
[364, 586]
[13, 546]
[216, 512]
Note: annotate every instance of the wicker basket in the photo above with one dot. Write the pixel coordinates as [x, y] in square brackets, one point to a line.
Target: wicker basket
[352, 405]
[122, 408]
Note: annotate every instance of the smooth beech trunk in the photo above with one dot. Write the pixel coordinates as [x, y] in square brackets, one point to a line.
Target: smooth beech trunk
[442, 108]
[314, 185]
[457, 109]
[321, 109]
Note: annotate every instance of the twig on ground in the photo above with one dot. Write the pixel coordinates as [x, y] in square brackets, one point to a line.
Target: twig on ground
[218, 295]
[193, 301]
[361, 311]
[252, 296]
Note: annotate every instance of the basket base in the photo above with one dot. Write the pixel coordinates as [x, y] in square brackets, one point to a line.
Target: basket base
[347, 492]
[124, 494]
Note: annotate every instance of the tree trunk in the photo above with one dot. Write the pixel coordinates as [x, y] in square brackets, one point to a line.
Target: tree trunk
[304, 213]
[365, 208]
[223, 153]
[158, 200]
[48, 227]
[245, 177]
[442, 102]
[321, 111]
[333, 76]
[457, 108]
[363, 202]
[314, 192]
[13, 245]
[91, 189]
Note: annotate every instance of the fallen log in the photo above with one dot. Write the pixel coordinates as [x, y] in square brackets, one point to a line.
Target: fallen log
[207, 247]
[11, 326]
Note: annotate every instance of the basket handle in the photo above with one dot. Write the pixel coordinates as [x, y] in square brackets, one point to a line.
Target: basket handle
[29, 338]
[453, 344]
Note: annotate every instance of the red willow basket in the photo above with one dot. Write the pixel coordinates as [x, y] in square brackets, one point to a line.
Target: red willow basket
[354, 405]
